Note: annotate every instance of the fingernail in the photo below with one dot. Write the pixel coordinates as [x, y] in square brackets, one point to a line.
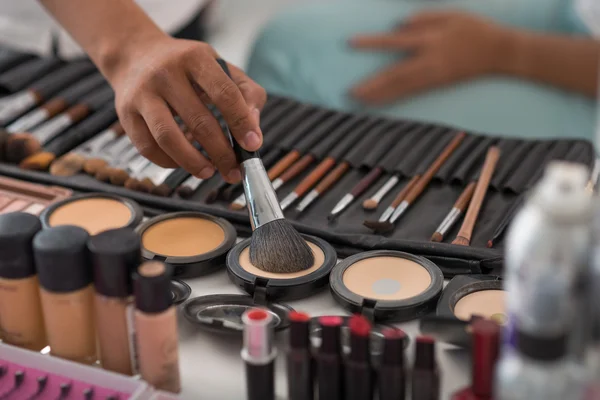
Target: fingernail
[256, 113]
[234, 175]
[206, 173]
[252, 141]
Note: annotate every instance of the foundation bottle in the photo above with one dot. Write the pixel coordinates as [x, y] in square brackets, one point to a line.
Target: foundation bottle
[21, 321]
[156, 326]
[67, 293]
[115, 255]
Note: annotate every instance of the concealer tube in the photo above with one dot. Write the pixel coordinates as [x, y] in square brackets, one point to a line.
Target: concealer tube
[115, 256]
[21, 321]
[67, 293]
[156, 327]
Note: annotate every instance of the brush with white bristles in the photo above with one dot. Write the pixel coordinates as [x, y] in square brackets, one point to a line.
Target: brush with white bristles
[275, 245]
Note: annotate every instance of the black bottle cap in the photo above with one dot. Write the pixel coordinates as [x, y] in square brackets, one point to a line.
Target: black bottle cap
[115, 256]
[152, 287]
[16, 234]
[62, 258]
[542, 348]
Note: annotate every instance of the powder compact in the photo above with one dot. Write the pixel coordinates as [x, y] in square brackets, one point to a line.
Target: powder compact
[94, 212]
[465, 299]
[223, 313]
[193, 243]
[180, 291]
[387, 285]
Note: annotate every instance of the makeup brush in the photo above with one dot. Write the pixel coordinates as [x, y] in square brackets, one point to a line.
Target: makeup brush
[301, 140]
[101, 155]
[358, 377]
[71, 138]
[57, 104]
[171, 183]
[31, 91]
[189, 187]
[387, 225]
[275, 245]
[73, 162]
[382, 146]
[10, 58]
[463, 238]
[403, 146]
[455, 213]
[344, 138]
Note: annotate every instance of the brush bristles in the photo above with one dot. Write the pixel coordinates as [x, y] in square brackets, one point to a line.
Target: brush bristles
[276, 247]
[103, 175]
[118, 177]
[133, 184]
[370, 204]
[146, 185]
[379, 227]
[461, 241]
[38, 162]
[162, 190]
[236, 206]
[20, 146]
[437, 237]
[68, 165]
[185, 192]
[93, 165]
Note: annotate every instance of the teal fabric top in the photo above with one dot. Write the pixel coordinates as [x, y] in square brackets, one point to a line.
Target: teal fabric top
[303, 53]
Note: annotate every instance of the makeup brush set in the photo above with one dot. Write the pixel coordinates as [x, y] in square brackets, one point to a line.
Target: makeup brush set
[361, 182]
[330, 371]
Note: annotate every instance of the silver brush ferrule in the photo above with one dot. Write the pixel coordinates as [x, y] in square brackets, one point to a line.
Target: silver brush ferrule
[28, 121]
[262, 202]
[449, 221]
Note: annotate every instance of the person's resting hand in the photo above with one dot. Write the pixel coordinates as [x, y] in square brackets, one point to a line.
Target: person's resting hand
[442, 47]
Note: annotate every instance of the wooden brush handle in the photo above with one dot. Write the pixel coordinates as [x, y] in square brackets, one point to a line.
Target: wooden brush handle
[465, 197]
[283, 164]
[55, 106]
[405, 190]
[489, 165]
[433, 168]
[366, 182]
[332, 177]
[78, 112]
[314, 177]
[297, 168]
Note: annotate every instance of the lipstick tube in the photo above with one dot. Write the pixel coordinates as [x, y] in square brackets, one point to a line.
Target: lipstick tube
[299, 360]
[259, 354]
[329, 360]
[392, 374]
[358, 378]
[425, 375]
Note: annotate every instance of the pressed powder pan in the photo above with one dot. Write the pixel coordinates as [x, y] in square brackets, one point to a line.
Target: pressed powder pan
[94, 212]
[193, 243]
[266, 286]
[387, 285]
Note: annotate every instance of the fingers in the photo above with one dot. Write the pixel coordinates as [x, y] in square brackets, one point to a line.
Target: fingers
[390, 41]
[142, 139]
[168, 137]
[228, 98]
[429, 18]
[203, 126]
[400, 80]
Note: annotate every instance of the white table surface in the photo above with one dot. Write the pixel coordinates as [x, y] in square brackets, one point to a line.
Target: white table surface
[211, 367]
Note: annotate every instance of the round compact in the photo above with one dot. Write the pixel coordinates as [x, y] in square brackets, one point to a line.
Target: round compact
[268, 286]
[222, 313]
[468, 296]
[180, 291]
[94, 212]
[193, 243]
[387, 285]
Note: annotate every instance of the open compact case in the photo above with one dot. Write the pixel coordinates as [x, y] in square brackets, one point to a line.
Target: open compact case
[387, 285]
[222, 313]
[465, 299]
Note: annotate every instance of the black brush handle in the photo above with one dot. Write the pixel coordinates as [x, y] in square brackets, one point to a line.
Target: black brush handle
[21, 76]
[56, 80]
[241, 154]
[81, 88]
[10, 58]
[98, 98]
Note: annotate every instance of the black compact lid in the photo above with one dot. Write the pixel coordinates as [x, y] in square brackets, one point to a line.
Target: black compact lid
[265, 289]
[448, 329]
[180, 291]
[153, 293]
[380, 310]
[136, 211]
[462, 285]
[193, 266]
[115, 256]
[16, 235]
[222, 313]
[62, 258]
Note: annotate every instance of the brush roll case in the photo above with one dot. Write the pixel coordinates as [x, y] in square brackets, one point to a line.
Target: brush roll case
[399, 147]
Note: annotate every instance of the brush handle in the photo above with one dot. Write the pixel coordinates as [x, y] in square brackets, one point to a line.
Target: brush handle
[366, 182]
[282, 165]
[56, 80]
[465, 197]
[240, 153]
[314, 177]
[81, 88]
[405, 190]
[332, 178]
[23, 75]
[297, 168]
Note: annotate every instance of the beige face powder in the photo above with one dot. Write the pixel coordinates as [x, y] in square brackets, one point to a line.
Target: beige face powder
[319, 260]
[484, 303]
[387, 278]
[95, 215]
[183, 237]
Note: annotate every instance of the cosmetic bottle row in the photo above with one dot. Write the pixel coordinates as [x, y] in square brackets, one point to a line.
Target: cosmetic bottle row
[88, 298]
